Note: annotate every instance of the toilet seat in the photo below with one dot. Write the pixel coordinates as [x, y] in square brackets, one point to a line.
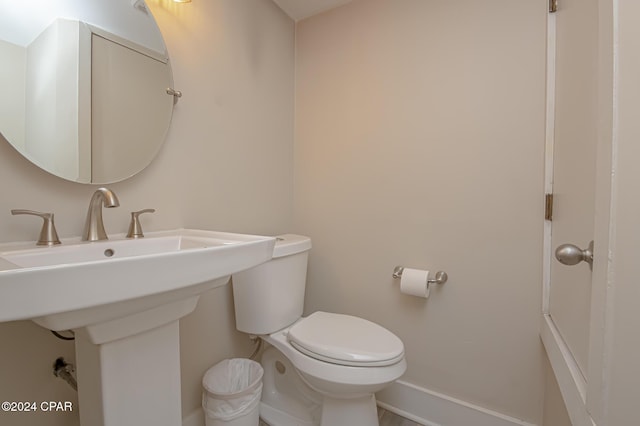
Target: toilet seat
[345, 340]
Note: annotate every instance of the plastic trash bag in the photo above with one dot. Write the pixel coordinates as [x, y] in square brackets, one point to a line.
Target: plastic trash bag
[233, 388]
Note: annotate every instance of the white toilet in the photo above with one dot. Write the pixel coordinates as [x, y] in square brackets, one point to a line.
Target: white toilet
[322, 369]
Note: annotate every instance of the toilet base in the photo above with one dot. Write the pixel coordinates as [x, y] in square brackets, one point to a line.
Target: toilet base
[353, 412]
[286, 399]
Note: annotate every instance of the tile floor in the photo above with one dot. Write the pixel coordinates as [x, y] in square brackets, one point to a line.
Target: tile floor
[386, 418]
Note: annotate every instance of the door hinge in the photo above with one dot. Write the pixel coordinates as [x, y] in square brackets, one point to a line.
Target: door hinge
[553, 6]
[548, 207]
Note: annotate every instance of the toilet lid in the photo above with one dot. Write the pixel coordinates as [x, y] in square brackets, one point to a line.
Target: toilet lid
[345, 340]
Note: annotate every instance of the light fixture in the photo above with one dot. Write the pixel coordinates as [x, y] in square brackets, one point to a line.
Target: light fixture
[182, 1]
[140, 5]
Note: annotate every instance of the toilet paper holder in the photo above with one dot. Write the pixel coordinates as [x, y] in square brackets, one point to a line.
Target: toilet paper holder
[440, 278]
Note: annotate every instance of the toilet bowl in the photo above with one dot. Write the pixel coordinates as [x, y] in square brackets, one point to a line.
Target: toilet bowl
[286, 399]
[345, 393]
[340, 360]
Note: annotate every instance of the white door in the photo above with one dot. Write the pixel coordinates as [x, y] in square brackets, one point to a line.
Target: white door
[574, 120]
[574, 160]
[590, 322]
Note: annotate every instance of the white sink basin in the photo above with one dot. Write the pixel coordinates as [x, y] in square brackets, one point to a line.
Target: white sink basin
[74, 285]
[107, 250]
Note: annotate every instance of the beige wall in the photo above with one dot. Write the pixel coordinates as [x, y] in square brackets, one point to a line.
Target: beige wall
[419, 142]
[226, 165]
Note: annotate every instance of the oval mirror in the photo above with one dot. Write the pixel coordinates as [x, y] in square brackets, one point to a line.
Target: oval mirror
[84, 86]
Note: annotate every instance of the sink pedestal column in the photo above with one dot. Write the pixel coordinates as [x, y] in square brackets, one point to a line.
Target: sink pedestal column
[132, 380]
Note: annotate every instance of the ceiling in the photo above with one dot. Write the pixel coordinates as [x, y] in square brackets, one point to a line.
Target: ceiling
[301, 9]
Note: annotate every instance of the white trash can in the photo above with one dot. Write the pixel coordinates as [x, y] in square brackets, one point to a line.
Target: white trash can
[232, 390]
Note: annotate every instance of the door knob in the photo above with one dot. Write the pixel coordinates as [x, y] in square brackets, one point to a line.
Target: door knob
[569, 254]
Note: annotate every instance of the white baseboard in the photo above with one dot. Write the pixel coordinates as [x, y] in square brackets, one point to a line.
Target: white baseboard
[421, 406]
[434, 409]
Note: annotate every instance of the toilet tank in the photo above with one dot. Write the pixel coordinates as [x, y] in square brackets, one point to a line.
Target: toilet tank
[270, 297]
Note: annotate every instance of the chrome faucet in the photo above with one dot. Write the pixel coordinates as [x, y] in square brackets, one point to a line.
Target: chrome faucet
[94, 227]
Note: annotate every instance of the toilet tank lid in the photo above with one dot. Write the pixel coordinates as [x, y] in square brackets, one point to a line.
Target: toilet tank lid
[288, 244]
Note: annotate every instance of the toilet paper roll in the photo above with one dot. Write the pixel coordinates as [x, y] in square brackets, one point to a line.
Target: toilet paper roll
[414, 282]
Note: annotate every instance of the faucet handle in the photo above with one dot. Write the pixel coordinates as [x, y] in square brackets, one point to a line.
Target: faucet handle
[48, 234]
[135, 229]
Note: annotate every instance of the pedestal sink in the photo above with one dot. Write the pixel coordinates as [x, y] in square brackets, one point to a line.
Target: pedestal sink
[123, 298]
